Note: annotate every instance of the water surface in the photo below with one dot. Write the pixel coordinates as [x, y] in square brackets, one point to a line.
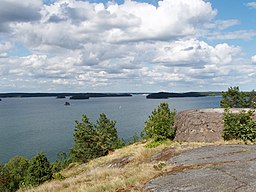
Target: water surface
[32, 125]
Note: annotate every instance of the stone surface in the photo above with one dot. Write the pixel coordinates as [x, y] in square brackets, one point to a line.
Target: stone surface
[202, 125]
[212, 169]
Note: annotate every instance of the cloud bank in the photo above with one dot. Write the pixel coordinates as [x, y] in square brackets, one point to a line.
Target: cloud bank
[74, 45]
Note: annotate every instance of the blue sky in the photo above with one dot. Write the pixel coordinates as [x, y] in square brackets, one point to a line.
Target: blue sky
[127, 46]
[240, 11]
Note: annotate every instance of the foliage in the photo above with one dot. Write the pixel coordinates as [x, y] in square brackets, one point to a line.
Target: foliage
[107, 133]
[4, 179]
[154, 144]
[159, 125]
[39, 170]
[234, 98]
[61, 163]
[252, 99]
[92, 141]
[17, 171]
[135, 139]
[87, 145]
[239, 126]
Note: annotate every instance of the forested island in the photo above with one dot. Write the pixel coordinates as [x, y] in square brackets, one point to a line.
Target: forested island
[166, 95]
[63, 95]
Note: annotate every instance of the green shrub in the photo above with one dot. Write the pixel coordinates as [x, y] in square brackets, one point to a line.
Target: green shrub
[63, 160]
[239, 126]
[159, 125]
[4, 179]
[39, 170]
[58, 176]
[17, 170]
[154, 144]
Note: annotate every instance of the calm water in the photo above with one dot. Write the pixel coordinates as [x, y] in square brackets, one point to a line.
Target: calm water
[31, 125]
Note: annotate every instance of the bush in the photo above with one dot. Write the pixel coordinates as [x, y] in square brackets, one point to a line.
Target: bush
[17, 171]
[62, 162]
[239, 126]
[159, 125]
[4, 179]
[153, 144]
[39, 170]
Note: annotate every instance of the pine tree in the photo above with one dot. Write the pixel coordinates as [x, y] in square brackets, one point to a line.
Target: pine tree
[159, 125]
[92, 141]
[107, 133]
[234, 98]
[39, 170]
[87, 145]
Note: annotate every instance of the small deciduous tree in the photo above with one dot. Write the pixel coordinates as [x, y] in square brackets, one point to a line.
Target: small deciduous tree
[159, 124]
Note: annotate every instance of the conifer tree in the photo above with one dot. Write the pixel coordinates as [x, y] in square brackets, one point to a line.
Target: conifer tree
[17, 169]
[234, 98]
[107, 133]
[87, 142]
[92, 141]
[159, 125]
[39, 170]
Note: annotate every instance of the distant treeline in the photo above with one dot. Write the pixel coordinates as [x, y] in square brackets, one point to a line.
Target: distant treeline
[166, 95]
[63, 95]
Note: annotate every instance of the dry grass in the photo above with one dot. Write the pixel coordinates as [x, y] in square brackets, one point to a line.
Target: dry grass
[99, 176]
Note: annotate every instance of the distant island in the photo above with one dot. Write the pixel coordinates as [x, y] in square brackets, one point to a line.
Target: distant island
[60, 96]
[166, 95]
[81, 96]
[63, 95]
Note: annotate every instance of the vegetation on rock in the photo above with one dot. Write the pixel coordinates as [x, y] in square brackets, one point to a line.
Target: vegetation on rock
[39, 170]
[17, 171]
[240, 126]
[159, 125]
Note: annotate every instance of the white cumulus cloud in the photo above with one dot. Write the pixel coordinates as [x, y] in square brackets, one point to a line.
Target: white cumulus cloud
[251, 4]
[81, 46]
[254, 59]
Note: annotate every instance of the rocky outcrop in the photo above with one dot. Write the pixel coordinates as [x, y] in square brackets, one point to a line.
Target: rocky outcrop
[203, 125]
[210, 168]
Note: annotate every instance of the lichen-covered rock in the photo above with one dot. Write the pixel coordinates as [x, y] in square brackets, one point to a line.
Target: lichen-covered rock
[203, 125]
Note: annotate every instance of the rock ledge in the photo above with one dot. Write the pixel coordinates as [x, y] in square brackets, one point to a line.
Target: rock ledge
[201, 125]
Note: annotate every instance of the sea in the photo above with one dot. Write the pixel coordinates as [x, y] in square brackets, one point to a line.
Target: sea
[32, 125]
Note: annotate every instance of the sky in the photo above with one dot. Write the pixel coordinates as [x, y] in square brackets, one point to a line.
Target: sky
[127, 45]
